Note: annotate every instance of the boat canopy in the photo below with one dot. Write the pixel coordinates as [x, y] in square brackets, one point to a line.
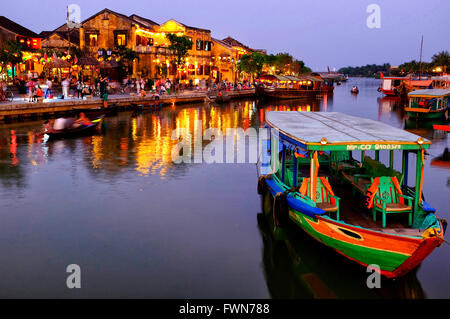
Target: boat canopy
[430, 93]
[333, 131]
[286, 78]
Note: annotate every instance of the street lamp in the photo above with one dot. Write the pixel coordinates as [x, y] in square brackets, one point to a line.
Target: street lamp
[100, 52]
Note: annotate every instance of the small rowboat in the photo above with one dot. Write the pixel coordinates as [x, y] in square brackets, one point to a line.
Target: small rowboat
[377, 219]
[85, 130]
[218, 96]
[354, 90]
[97, 112]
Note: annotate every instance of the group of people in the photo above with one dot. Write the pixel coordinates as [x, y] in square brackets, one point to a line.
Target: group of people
[32, 89]
[67, 123]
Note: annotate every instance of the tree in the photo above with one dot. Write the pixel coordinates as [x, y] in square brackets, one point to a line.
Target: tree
[126, 56]
[441, 59]
[181, 46]
[11, 53]
[251, 64]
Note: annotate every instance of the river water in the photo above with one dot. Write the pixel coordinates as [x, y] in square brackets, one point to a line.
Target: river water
[141, 226]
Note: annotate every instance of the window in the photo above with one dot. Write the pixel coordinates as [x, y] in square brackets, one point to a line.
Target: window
[200, 44]
[208, 45]
[200, 70]
[91, 40]
[207, 69]
[120, 38]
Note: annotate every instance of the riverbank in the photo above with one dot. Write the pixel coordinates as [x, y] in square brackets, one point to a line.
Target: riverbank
[18, 110]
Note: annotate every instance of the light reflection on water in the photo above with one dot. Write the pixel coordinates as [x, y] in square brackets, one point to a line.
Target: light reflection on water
[141, 226]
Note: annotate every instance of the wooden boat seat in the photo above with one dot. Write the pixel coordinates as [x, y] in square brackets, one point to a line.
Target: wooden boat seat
[385, 196]
[395, 207]
[328, 207]
[324, 197]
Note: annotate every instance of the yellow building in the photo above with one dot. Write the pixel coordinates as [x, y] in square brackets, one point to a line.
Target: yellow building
[226, 55]
[153, 48]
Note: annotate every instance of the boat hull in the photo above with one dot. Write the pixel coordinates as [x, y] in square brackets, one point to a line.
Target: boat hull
[395, 255]
[289, 93]
[425, 113]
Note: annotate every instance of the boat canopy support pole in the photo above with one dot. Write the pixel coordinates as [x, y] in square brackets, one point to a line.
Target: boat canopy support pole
[283, 163]
[377, 156]
[391, 159]
[294, 173]
[405, 168]
[419, 179]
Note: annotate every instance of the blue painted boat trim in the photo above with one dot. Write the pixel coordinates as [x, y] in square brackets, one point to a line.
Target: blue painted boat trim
[293, 202]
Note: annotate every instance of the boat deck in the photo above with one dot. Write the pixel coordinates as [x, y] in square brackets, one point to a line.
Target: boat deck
[353, 212]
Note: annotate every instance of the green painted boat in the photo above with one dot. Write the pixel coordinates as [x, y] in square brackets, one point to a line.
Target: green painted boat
[428, 104]
[375, 218]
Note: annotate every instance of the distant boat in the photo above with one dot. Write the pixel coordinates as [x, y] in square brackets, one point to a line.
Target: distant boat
[354, 90]
[428, 104]
[218, 96]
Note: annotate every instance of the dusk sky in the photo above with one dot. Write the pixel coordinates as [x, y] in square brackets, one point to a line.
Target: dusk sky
[321, 33]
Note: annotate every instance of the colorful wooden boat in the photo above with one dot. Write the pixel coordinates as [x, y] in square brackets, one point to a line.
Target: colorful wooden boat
[428, 104]
[84, 130]
[289, 87]
[311, 153]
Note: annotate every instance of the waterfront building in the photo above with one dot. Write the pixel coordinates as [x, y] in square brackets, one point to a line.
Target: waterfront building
[31, 43]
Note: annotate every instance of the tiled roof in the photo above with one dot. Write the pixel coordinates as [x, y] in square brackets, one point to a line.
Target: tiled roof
[16, 28]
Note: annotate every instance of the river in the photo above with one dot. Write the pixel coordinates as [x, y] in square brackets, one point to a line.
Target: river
[141, 226]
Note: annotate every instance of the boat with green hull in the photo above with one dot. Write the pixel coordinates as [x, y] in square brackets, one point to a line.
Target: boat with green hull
[428, 104]
[363, 209]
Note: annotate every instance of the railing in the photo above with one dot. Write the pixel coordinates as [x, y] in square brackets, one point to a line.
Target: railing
[147, 49]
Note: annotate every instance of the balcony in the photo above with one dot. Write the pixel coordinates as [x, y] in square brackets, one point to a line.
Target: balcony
[147, 49]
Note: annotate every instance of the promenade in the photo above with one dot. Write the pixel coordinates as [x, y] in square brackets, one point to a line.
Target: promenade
[20, 109]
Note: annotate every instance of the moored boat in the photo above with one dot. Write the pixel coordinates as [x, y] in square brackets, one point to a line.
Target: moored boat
[289, 87]
[354, 90]
[306, 158]
[97, 112]
[428, 104]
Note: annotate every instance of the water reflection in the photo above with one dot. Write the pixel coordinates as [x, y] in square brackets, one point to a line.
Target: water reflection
[299, 267]
[132, 161]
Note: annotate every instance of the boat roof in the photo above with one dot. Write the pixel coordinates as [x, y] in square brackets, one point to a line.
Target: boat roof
[308, 130]
[286, 78]
[430, 93]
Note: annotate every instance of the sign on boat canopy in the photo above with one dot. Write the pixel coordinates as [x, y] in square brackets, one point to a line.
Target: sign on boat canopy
[332, 131]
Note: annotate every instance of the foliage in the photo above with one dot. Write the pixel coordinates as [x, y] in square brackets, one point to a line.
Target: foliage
[181, 46]
[11, 52]
[251, 63]
[441, 59]
[284, 63]
[369, 70]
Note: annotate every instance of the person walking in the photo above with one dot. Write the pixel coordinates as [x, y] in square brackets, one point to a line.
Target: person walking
[65, 88]
[138, 86]
[79, 89]
[31, 87]
[48, 90]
